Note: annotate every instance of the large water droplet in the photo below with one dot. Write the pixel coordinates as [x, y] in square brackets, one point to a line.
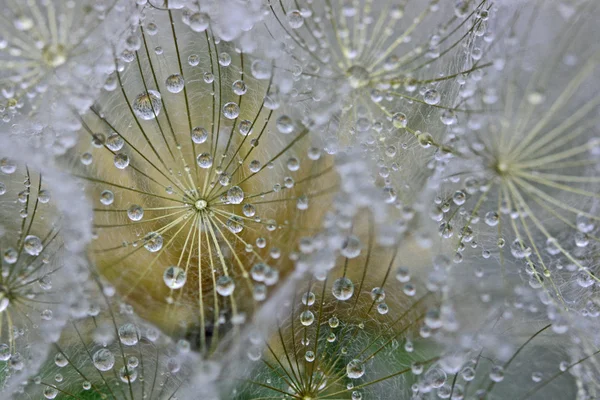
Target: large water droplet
[295, 19]
[342, 288]
[103, 360]
[33, 245]
[147, 105]
[225, 285]
[174, 277]
[355, 369]
[235, 195]
[174, 83]
[135, 212]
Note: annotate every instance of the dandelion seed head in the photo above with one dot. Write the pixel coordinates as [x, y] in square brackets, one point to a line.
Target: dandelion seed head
[194, 181]
[40, 263]
[55, 55]
[522, 176]
[349, 346]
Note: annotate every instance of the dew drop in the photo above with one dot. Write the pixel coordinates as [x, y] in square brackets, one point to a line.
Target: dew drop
[8, 166]
[107, 197]
[399, 120]
[351, 247]
[342, 288]
[307, 318]
[355, 369]
[121, 160]
[199, 135]
[295, 19]
[174, 83]
[174, 277]
[33, 245]
[261, 69]
[103, 360]
[285, 125]
[147, 106]
[135, 212]
[204, 160]
[153, 242]
[239, 87]
[114, 142]
[235, 195]
[225, 285]
[199, 22]
[128, 334]
[432, 97]
[231, 110]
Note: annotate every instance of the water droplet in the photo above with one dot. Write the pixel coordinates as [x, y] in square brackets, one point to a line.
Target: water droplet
[50, 392]
[261, 69]
[147, 105]
[492, 218]
[225, 285]
[174, 277]
[403, 274]
[235, 224]
[199, 22]
[432, 97]
[224, 59]
[309, 356]
[342, 288]
[103, 360]
[135, 212]
[295, 19]
[199, 135]
[355, 369]
[459, 197]
[239, 87]
[378, 294]
[235, 195]
[399, 120]
[114, 142]
[121, 160]
[249, 210]
[425, 139]
[245, 127]
[33, 245]
[128, 334]
[358, 76]
[86, 158]
[307, 318]
[285, 125]
[153, 242]
[194, 60]
[60, 360]
[382, 308]
[497, 373]
[231, 110]
[204, 160]
[44, 196]
[308, 298]
[174, 83]
[107, 197]
[8, 166]
[128, 375]
[351, 247]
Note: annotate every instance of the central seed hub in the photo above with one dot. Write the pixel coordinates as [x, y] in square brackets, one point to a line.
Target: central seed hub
[201, 204]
